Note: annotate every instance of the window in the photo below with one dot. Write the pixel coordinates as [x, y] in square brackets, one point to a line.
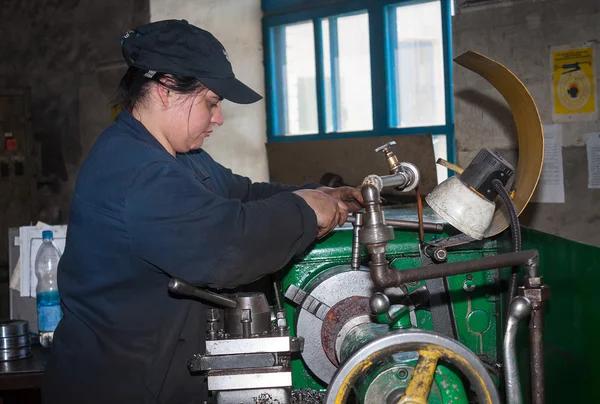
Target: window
[418, 65]
[297, 78]
[359, 68]
[347, 72]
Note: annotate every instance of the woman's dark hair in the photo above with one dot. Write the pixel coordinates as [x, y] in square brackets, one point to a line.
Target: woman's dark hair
[135, 84]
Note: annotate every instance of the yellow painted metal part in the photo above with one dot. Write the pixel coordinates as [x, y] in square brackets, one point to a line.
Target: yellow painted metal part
[529, 130]
[427, 351]
[347, 384]
[418, 389]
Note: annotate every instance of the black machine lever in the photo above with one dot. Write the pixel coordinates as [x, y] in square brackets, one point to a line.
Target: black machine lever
[183, 288]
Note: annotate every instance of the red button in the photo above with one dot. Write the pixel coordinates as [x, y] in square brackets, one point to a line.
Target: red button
[11, 144]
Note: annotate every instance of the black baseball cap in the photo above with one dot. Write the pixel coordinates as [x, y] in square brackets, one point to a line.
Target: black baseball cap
[177, 47]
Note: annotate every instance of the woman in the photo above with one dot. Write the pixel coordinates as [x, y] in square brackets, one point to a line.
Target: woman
[149, 204]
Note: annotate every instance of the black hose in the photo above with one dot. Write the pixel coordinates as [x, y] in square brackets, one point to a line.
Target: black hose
[516, 234]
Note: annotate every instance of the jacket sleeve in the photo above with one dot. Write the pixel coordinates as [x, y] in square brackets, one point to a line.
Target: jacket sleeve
[244, 189]
[182, 228]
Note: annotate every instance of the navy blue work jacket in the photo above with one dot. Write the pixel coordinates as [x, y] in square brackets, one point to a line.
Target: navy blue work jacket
[138, 217]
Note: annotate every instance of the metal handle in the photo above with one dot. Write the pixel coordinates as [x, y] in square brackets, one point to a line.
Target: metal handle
[520, 307]
[385, 147]
[182, 288]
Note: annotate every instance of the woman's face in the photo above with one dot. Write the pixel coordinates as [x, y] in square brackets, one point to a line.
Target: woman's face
[191, 119]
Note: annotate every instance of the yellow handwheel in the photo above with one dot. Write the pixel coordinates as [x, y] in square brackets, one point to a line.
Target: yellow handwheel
[431, 348]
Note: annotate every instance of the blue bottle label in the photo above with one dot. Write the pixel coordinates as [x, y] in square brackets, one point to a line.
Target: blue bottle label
[48, 310]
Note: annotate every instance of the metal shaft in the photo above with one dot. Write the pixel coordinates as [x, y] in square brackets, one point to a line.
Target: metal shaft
[246, 319]
[429, 227]
[520, 307]
[538, 392]
[410, 225]
[357, 224]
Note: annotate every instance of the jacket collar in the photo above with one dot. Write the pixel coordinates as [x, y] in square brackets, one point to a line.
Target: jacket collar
[137, 129]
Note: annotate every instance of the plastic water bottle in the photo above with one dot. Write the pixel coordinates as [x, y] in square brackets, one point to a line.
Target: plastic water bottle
[48, 300]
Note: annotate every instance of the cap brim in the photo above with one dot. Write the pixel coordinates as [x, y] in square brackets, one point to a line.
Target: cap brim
[232, 90]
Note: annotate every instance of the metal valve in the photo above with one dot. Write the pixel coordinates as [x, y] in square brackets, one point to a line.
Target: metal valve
[391, 159]
[406, 174]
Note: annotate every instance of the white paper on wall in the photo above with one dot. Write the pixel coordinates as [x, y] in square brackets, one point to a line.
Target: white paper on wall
[593, 158]
[551, 187]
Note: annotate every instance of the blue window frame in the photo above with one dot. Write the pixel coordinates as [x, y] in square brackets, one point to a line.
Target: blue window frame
[307, 96]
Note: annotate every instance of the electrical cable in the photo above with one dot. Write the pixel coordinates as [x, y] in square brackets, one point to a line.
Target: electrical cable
[515, 232]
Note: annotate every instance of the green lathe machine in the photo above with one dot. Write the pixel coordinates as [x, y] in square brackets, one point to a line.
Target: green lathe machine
[447, 304]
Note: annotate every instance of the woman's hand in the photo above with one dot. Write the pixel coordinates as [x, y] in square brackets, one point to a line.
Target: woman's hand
[349, 196]
[329, 211]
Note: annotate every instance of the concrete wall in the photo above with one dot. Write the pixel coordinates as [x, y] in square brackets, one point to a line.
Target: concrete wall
[518, 34]
[64, 52]
[240, 143]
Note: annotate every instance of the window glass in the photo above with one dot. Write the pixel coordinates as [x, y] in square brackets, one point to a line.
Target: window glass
[419, 97]
[347, 72]
[297, 79]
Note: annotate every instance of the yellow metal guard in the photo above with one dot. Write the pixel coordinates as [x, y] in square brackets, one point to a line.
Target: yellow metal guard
[529, 130]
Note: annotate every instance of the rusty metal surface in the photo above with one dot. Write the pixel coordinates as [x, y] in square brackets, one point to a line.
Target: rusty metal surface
[420, 215]
[335, 319]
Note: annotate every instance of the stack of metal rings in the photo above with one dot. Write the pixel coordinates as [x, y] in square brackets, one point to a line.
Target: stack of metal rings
[15, 340]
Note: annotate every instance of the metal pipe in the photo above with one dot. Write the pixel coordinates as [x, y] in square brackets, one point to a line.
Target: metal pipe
[370, 192]
[399, 179]
[429, 227]
[379, 266]
[388, 277]
[538, 391]
[357, 225]
[520, 307]
[374, 230]
[409, 225]
[535, 290]
[532, 269]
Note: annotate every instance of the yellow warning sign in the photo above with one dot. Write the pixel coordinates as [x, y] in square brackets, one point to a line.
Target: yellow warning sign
[574, 90]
